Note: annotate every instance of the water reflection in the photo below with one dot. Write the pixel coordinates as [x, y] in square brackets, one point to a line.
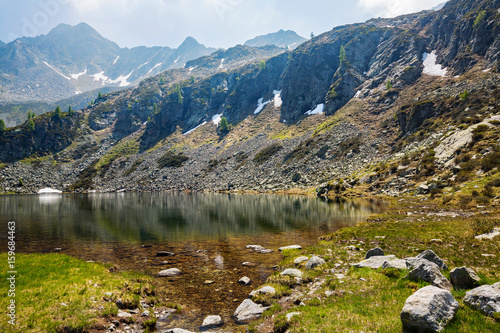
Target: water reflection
[160, 217]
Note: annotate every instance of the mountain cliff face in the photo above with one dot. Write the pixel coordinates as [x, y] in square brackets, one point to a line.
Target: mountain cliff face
[336, 105]
[70, 60]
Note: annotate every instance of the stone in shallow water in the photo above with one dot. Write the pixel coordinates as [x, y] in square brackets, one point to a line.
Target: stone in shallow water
[177, 330]
[212, 321]
[170, 272]
[428, 310]
[245, 281]
[165, 254]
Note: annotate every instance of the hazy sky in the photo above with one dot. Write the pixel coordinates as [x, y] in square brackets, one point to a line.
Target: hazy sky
[217, 23]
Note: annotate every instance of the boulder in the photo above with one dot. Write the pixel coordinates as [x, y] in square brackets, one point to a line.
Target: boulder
[314, 262]
[378, 262]
[264, 290]
[177, 330]
[245, 281]
[300, 260]
[123, 314]
[428, 310]
[430, 272]
[485, 298]
[248, 311]
[290, 247]
[170, 272]
[376, 252]
[431, 256]
[212, 321]
[464, 278]
[292, 272]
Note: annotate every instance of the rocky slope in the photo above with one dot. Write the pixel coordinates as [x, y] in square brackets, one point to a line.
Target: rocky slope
[362, 105]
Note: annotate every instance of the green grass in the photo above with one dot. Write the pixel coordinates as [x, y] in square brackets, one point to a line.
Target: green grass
[45, 281]
[372, 300]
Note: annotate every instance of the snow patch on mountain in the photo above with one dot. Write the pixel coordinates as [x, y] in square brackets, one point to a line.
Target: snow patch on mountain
[318, 110]
[155, 66]
[64, 76]
[76, 76]
[277, 98]
[217, 118]
[114, 62]
[194, 129]
[260, 105]
[431, 67]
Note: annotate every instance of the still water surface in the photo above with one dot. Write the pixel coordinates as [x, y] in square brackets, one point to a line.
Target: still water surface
[207, 232]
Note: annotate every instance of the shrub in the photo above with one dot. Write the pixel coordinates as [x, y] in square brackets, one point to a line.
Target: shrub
[494, 183]
[464, 96]
[267, 152]
[482, 226]
[171, 160]
[490, 161]
[296, 177]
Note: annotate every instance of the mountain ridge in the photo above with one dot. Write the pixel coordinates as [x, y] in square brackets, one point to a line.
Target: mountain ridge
[284, 39]
[341, 105]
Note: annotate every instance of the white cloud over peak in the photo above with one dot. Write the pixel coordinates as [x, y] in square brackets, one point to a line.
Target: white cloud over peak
[392, 8]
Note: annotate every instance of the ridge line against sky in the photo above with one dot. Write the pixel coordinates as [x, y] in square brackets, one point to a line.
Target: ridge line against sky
[216, 23]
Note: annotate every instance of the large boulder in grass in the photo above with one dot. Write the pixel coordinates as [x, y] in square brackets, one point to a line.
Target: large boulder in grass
[382, 261]
[433, 257]
[248, 311]
[464, 278]
[429, 272]
[429, 309]
[376, 252]
[484, 298]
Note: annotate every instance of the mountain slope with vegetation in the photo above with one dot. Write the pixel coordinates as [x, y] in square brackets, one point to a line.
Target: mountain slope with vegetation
[370, 105]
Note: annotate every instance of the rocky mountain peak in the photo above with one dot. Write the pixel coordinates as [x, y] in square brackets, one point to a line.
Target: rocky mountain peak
[285, 39]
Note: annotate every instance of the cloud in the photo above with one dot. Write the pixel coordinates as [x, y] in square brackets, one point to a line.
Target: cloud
[392, 8]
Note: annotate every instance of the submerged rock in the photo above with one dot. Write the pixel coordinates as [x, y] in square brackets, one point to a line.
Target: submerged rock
[212, 321]
[429, 309]
[170, 272]
[165, 254]
[245, 280]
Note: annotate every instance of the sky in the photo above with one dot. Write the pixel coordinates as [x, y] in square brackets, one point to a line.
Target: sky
[215, 23]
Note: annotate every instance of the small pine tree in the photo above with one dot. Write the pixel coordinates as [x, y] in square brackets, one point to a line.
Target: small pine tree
[31, 125]
[70, 111]
[155, 108]
[388, 85]
[262, 65]
[312, 35]
[57, 113]
[99, 96]
[2, 126]
[162, 80]
[178, 92]
[223, 125]
[342, 56]
[192, 79]
[31, 115]
[20, 182]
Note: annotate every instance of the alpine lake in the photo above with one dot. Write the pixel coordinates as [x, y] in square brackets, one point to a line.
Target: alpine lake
[206, 233]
